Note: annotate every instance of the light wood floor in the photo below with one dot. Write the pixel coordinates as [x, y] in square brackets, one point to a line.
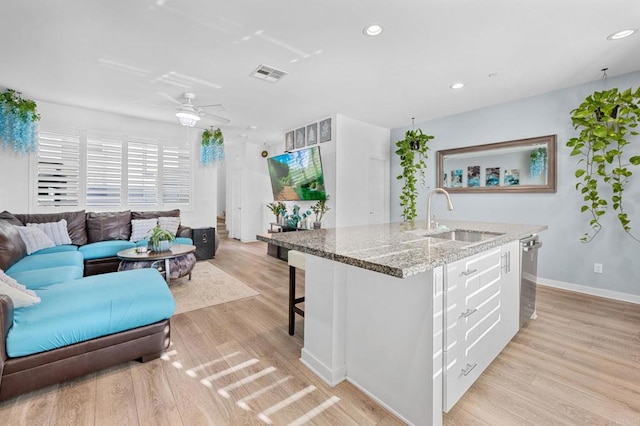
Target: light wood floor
[235, 364]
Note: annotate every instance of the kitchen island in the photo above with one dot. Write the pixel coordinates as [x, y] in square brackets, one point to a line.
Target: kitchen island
[411, 318]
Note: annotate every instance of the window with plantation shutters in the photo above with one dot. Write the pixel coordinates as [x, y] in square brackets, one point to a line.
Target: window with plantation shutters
[142, 174]
[104, 173]
[58, 170]
[176, 176]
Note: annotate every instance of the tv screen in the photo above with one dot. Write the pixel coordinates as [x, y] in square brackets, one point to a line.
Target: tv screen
[297, 175]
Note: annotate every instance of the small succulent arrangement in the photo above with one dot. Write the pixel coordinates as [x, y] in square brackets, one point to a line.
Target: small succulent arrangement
[18, 119]
[160, 239]
[412, 151]
[211, 146]
[320, 208]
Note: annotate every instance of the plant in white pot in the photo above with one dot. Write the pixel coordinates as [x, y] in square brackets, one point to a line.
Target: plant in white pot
[160, 239]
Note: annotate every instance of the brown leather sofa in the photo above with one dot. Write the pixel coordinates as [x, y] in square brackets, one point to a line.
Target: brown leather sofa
[27, 373]
[90, 227]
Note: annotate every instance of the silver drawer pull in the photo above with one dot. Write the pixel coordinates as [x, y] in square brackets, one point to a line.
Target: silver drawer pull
[467, 370]
[468, 312]
[468, 272]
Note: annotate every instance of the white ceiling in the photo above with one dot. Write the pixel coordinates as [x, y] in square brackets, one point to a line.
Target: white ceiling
[116, 55]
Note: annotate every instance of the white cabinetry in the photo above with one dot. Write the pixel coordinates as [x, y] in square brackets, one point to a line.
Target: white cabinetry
[480, 316]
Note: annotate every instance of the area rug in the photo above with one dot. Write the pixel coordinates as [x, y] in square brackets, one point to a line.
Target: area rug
[208, 286]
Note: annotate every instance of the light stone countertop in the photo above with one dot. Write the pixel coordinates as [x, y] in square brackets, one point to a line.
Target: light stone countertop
[397, 249]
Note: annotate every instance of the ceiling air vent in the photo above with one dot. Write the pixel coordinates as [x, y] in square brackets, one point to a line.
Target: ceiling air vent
[267, 73]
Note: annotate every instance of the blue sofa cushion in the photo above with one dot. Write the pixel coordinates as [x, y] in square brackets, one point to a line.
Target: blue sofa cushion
[75, 311]
[38, 278]
[58, 249]
[47, 260]
[179, 240]
[103, 249]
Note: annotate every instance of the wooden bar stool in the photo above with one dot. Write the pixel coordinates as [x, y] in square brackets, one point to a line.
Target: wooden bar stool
[296, 260]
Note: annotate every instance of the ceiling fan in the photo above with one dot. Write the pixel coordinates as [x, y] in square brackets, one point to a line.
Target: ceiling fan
[189, 114]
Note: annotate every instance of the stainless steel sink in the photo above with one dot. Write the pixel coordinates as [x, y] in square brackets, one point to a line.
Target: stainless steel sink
[466, 236]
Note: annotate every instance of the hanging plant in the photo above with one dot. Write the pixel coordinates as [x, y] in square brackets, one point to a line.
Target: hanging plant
[18, 119]
[212, 146]
[538, 162]
[604, 120]
[413, 153]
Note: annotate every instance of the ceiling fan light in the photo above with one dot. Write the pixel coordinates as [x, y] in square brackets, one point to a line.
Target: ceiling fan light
[187, 119]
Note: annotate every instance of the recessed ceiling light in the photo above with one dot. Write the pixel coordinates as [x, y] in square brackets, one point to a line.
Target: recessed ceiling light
[622, 34]
[457, 85]
[373, 30]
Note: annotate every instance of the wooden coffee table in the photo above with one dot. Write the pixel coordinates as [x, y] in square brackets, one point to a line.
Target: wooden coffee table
[131, 259]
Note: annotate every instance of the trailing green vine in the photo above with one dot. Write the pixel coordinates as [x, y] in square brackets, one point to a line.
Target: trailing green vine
[18, 119]
[413, 153]
[605, 119]
[212, 146]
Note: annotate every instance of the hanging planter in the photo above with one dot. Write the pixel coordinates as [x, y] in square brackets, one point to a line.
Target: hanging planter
[538, 162]
[212, 146]
[412, 151]
[18, 119]
[606, 121]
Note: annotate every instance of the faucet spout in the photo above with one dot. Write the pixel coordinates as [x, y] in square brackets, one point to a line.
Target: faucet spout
[449, 204]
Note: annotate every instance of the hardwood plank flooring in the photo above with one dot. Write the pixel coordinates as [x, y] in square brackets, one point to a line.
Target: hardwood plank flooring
[235, 364]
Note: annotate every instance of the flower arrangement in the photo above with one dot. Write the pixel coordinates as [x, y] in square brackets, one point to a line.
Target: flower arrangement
[212, 146]
[18, 119]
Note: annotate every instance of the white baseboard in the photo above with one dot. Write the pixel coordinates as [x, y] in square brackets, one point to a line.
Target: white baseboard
[579, 288]
[330, 377]
[376, 399]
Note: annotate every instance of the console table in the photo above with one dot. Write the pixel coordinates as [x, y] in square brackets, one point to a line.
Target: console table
[276, 251]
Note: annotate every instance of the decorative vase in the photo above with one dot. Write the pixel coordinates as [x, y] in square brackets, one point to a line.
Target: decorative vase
[163, 245]
[317, 225]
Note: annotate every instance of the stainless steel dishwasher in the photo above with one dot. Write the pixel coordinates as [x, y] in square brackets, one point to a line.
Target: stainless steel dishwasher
[529, 247]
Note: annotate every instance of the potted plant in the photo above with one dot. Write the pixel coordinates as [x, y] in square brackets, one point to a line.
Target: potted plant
[605, 119]
[18, 119]
[320, 208]
[413, 153]
[160, 239]
[212, 146]
[278, 208]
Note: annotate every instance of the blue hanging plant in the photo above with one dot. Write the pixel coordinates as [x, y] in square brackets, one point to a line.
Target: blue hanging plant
[18, 119]
[212, 146]
[538, 162]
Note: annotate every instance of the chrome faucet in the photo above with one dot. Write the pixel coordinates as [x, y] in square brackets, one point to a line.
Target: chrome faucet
[449, 204]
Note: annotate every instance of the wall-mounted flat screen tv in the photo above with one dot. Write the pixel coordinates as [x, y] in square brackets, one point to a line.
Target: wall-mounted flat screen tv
[297, 175]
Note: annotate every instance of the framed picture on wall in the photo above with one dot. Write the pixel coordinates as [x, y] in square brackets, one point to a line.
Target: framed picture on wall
[300, 139]
[312, 134]
[288, 141]
[325, 130]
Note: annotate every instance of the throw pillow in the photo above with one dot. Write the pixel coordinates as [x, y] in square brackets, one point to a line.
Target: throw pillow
[140, 228]
[34, 238]
[170, 224]
[107, 226]
[18, 293]
[57, 231]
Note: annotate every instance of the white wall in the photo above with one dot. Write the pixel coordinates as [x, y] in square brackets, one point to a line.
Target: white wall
[356, 142]
[14, 169]
[563, 258]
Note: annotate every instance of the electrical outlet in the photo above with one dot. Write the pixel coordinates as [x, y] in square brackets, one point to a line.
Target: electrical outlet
[597, 268]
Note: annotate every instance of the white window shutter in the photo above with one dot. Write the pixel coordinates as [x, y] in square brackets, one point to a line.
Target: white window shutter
[104, 173]
[58, 170]
[142, 184]
[176, 176]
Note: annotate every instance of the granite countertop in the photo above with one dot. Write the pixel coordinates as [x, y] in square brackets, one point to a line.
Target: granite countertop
[397, 249]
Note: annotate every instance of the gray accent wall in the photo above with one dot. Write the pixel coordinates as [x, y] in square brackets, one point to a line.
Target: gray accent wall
[563, 258]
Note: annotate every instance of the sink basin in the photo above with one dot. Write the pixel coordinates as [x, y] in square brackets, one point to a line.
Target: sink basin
[466, 236]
